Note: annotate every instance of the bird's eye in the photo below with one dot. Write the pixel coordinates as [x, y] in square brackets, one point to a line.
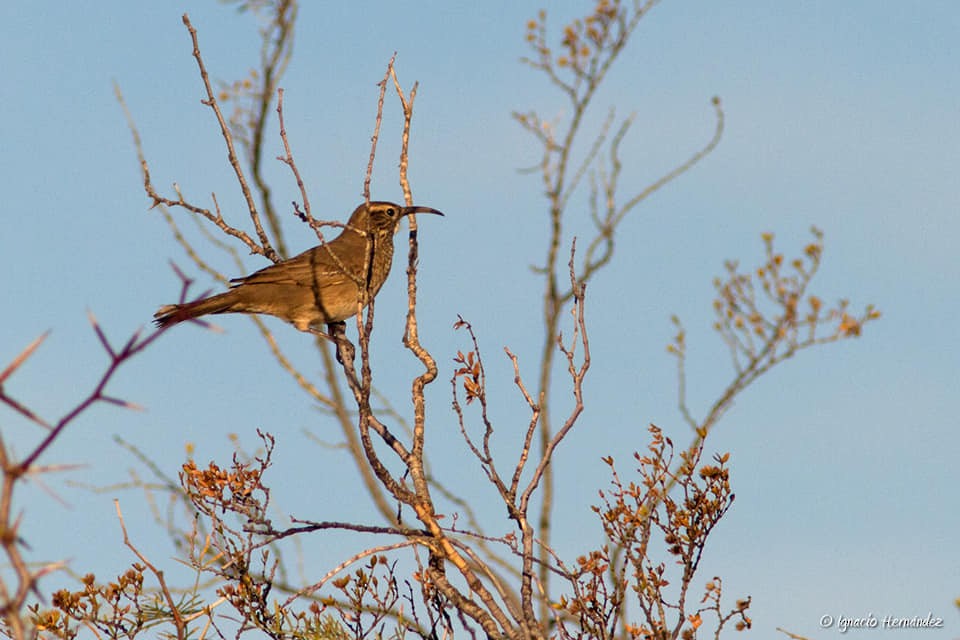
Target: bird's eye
[391, 212]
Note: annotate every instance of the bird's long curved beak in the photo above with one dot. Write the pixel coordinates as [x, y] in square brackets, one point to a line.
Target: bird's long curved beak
[408, 210]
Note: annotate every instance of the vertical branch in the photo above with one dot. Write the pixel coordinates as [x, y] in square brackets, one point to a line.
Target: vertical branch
[376, 129]
[411, 337]
[589, 46]
[407, 105]
[361, 386]
[365, 320]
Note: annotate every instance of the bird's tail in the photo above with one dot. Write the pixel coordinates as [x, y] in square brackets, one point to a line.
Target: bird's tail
[171, 314]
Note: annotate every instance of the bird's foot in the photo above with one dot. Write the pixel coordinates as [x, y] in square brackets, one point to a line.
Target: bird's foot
[337, 334]
[345, 349]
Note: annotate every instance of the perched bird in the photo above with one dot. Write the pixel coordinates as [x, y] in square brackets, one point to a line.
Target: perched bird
[320, 286]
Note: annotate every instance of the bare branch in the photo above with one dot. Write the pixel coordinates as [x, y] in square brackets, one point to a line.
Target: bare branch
[179, 623]
[211, 102]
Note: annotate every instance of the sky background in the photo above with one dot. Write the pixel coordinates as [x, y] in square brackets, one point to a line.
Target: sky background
[840, 115]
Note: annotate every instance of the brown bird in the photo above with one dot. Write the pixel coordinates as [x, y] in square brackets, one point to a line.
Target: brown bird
[320, 286]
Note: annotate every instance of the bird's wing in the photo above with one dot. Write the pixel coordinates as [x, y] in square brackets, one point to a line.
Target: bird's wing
[304, 270]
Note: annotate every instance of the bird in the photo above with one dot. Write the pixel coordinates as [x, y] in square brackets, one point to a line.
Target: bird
[320, 286]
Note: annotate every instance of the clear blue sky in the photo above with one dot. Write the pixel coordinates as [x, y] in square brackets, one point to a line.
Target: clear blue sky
[844, 115]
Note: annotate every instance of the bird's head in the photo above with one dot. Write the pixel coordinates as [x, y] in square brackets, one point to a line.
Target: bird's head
[383, 217]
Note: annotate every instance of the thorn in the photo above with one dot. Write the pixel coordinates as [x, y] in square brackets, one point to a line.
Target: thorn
[123, 403]
[26, 353]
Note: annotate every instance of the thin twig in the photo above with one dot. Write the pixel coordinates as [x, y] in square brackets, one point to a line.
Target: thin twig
[211, 101]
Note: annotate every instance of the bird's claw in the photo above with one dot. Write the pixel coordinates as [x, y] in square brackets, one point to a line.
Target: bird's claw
[345, 349]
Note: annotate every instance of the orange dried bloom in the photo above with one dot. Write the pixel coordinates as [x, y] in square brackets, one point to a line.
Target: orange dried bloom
[849, 326]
